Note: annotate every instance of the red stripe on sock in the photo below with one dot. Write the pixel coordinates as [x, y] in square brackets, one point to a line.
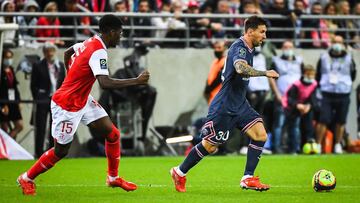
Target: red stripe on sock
[112, 150]
[45, 162]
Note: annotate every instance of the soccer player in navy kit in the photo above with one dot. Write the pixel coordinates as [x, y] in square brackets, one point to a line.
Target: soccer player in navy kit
[230, 109]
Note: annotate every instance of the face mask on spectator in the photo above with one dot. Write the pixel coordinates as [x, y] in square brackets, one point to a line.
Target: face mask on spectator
[218, 54]
[308, 80]
[337, 47]
[288, 53]
[7, 62]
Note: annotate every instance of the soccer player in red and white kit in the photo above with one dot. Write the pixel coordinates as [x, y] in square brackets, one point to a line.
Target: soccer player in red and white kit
[72, 104]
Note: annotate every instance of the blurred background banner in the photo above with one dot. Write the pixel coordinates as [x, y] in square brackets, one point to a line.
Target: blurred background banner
[9, 149]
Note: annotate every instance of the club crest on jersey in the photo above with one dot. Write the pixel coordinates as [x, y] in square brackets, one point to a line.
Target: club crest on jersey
[103, 64]
[242, 52]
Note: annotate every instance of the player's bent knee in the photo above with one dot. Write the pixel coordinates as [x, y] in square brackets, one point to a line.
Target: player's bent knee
[61, 152]
[114, 135]
[209, 147]
[261, 137]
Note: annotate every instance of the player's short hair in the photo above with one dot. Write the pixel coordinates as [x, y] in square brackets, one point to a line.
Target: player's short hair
[253, 22]
[109, 22]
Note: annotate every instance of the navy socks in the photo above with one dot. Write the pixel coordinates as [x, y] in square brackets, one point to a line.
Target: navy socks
[195, 155]
[253, 156]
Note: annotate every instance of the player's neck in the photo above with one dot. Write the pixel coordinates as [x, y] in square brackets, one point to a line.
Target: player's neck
[104, 40]
[248, 41]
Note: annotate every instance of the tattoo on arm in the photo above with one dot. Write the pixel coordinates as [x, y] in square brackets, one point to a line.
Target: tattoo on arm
[246, 70]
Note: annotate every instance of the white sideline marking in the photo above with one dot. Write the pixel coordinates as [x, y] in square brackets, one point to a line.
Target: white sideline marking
[163, 186]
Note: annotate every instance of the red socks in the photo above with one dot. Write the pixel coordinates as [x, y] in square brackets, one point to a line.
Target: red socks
[45, 162]
[112, 150]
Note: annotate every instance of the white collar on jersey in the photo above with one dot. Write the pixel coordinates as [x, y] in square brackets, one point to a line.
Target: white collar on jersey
[242, 39]
[99, 38]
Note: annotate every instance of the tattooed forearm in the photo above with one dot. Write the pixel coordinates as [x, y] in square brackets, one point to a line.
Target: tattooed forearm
[246, 70]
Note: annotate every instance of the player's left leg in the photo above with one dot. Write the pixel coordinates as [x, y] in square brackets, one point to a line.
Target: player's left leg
[258, 137]
[105, 127]
[45, 162]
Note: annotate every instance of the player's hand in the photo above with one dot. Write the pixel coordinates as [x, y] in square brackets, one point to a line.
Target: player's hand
[272, 74]
[143, 78]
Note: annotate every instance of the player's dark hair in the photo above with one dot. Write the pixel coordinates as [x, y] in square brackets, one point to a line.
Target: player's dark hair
[109, 22]
[253, 22]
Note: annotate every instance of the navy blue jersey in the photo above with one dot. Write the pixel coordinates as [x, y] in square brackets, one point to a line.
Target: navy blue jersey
[232, 94]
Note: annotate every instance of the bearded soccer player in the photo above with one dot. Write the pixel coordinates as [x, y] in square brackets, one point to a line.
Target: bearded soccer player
[230, 110]
[72, 104]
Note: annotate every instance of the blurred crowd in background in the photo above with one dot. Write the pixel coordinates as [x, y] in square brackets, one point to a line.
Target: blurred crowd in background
[317, 33]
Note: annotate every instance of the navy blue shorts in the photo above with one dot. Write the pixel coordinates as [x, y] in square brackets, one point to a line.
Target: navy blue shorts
[217, 128]
[334, 109]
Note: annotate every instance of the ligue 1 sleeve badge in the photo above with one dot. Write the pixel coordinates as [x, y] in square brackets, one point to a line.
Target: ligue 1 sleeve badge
[242, 52]
[103, 64]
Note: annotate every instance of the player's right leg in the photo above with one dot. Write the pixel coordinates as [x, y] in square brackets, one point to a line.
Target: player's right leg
[257, 133]
[63, 128]
[45, 162]
[214, 133]
[103, 126]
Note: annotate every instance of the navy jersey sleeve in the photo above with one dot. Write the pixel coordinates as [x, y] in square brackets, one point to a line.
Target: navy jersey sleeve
[240, 53]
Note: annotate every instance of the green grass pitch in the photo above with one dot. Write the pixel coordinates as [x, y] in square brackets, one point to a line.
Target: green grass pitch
[215, 179]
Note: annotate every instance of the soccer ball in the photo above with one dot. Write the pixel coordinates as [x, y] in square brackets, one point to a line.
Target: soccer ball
[310, 148]
[323, 180]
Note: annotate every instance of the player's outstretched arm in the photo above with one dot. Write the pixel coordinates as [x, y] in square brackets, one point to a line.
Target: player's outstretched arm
[111, 83]
[246, 70]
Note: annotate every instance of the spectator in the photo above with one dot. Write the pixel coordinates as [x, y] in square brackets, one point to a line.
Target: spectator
[47, 76]
[336, 71]
[356, 44]
[331, 9]
[223, 8]
[209, 6]
[248, 7]
[121, 6]
[279, 7]
[251, 7]
[70, 6]
[168, 26]
[298, 102]
[289, 68]
[320, 35]
[299, 9]
[9, 94]
[357, 12]
[19, 5]
[30, 6]
[213, 83]
[142, 21]
[348, 25]
[197, 26]
[176, 25]
[98, 5]
[50, 20]
[10, 37]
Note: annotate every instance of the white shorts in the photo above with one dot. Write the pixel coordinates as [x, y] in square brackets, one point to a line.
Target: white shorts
[65, 123]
